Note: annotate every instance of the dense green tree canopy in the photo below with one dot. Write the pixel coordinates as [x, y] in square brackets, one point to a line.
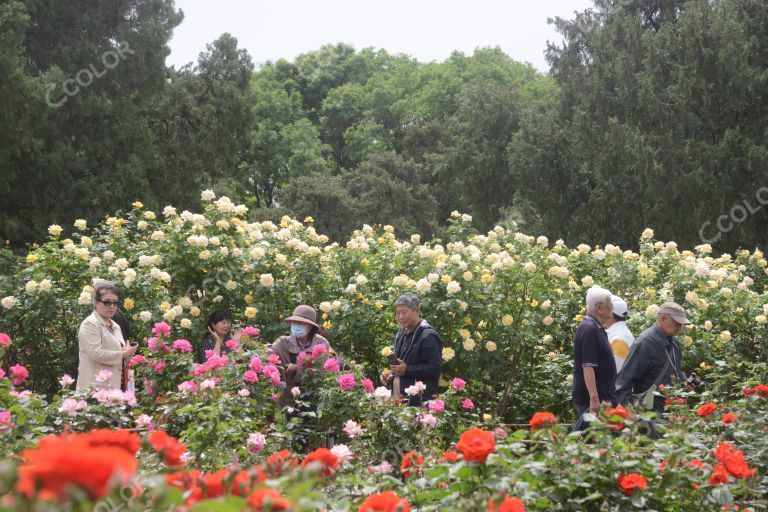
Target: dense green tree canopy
[653, 114]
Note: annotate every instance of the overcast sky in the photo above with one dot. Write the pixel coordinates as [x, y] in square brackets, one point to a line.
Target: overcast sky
[426, 29]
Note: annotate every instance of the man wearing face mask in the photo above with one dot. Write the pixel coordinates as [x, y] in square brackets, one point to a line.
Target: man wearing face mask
[304, 337]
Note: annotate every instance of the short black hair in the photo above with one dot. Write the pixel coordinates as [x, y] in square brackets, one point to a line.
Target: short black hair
[219, 315]
[618, 318]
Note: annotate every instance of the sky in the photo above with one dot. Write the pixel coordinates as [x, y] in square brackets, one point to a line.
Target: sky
[428, 30]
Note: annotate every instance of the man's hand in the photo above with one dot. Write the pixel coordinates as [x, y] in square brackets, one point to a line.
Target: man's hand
[291, 369]
[399, 368]
[594, 404]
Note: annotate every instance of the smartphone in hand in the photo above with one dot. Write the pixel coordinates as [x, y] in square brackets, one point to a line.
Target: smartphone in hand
[392, 358]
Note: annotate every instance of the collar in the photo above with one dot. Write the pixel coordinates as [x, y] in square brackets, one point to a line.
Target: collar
[597, 322]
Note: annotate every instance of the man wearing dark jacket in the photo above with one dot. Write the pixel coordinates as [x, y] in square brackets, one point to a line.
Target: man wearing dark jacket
[655, 350]
[418, 352]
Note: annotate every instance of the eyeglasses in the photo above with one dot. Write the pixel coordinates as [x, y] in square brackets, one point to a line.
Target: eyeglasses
[109, 303]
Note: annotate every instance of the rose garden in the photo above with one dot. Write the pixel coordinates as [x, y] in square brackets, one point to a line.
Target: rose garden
[212, 436]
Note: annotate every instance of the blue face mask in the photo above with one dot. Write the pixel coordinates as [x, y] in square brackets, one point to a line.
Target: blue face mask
[299, 330]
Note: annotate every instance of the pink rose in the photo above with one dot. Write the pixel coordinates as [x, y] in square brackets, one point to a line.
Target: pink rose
[367, 385]
[155, 344]
[19, 374]
[182, 346]
[458, 384]
[251, 376]
[319, 351]
[347, 382]
[5, 340]
[256, 442]
[160, 366]
[188, 386]
[232, 344]
[437, 406]
[331, 365]
[161, 329]
[271, 372]
[467, 404]
[5, 422]
[273, 358]
[138, 359]
[255, 364]
[251, 331]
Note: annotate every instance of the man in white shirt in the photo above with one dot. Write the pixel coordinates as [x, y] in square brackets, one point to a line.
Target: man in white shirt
[619, 336]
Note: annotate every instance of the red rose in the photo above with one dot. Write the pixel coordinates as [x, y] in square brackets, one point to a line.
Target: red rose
[169, 448]
[411, 460]
[719, 475]
[632, 481]
[327, 460]
[733, 460]
[507, 505]
[279, 462]
[729, 418]
[267, 499]
[386, 501]
[542, 419]
[475, 445]
[706, 410]
[60, 462]
[612, 416]
[762, 390]
[449, 456]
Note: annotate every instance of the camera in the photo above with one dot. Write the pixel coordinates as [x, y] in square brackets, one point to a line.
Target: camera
[692, 381]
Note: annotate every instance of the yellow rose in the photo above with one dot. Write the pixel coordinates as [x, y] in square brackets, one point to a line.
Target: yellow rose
[507, 320]
[128, 304]
[165, 306]
[31, 258]
[250, 312]
[386, 351]
[137, 204]
[448, 354]
[194, 311]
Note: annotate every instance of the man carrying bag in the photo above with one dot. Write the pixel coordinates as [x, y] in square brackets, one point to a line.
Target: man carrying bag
[653, 360]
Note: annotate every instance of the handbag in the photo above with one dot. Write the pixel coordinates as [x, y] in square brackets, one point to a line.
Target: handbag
[644, 400]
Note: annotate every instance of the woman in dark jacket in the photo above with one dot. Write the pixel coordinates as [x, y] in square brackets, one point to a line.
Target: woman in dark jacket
[219, 327]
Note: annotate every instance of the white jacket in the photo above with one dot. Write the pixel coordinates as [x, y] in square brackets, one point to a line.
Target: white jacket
[100, 349]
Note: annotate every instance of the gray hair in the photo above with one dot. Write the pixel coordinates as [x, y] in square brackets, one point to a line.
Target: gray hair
[595, 296]
[408, 300]
[102, 286]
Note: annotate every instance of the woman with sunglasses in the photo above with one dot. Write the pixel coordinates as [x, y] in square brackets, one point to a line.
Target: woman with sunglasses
[101, 342]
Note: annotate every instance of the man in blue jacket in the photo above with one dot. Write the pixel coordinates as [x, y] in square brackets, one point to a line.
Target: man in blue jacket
[418, 352]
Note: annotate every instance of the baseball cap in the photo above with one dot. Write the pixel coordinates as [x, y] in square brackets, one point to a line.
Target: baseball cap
[619, 306]
[674, 311]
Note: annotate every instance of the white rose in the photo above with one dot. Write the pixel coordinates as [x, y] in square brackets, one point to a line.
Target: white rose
[452, 287]
[267, 280]
[207, 195]
[8, 302]
[145, 316]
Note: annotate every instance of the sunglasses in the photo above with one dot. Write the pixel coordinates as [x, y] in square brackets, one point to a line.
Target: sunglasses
[109, 303]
